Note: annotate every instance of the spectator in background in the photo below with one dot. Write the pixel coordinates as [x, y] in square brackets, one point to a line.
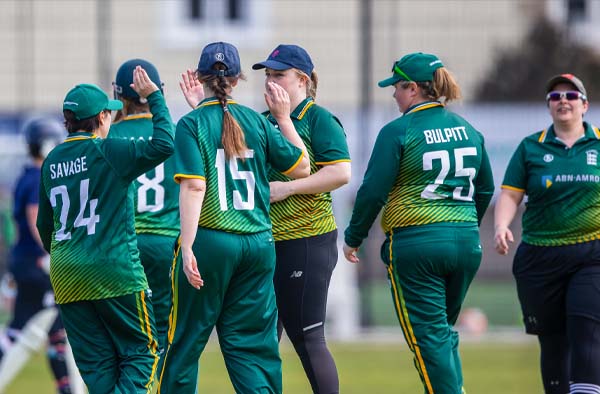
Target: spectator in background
[304, 228]
[430, 172]
[223, 273]
[557, 264]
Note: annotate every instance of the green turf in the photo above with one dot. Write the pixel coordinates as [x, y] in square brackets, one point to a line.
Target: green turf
[363, 368]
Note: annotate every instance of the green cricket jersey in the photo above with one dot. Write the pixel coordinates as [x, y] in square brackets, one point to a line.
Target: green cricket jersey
[86, 219]
[562, 187]
[237, 189]
[307, 215]
[428, 166]
[155, 193]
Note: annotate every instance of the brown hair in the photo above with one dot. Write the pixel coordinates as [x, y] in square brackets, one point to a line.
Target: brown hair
[311, 82]
[443, 85]
[232, 135]
[74, 125]
[130, 106]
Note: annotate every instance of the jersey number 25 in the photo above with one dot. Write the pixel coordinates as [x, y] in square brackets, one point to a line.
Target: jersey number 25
[430, 192]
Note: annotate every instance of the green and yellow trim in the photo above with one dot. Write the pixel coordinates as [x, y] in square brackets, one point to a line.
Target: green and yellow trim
[309, 104]
[405, 325]
[146, 327]
[327, 163]
[173, 313]
[424, 106]
[542, 138]
[292, 168]
[79, 138]
[596, 132]
[178, 177]
[516, 189]
[215, 102]
[145, 115]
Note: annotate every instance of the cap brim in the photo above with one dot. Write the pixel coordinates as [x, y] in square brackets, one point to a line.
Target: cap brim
[114, 105]
[389, 82]
[272, 64]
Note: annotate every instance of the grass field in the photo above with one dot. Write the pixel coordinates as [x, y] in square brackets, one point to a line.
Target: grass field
[367, 367]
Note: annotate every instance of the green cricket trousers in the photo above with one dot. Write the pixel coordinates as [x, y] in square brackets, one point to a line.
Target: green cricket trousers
[238, 299]
[430, 268]
[114, 343]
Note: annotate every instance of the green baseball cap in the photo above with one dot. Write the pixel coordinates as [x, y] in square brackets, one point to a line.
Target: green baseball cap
[414, 67]
[87, 100]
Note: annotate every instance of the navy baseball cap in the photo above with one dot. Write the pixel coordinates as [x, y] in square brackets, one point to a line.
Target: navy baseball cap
[124, 77]
[285, 57]
[220, 52]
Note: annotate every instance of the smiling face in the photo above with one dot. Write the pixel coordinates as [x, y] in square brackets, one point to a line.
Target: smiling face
[564, 110]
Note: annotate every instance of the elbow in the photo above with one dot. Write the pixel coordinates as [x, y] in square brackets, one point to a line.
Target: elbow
[302, 170]
[345, 175]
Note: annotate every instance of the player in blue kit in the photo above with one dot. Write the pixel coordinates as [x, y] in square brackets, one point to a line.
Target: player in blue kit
[29, 264]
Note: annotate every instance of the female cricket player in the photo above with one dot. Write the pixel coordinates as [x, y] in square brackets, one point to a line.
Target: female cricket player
[430, 172]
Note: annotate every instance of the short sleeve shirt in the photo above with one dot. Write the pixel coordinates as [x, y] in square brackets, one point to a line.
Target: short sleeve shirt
[237, 188]
[562, 186]
[305, 215]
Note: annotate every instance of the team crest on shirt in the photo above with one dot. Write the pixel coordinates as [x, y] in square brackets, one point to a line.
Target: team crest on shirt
[546, 181]
[548, 157]
[591, 157]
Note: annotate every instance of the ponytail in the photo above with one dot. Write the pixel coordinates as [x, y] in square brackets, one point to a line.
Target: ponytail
[443, 86]
[232, 135]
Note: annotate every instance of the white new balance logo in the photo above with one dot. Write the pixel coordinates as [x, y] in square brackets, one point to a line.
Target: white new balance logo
[296, 274]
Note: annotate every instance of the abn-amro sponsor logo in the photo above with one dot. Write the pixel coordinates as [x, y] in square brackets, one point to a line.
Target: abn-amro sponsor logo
[546, 181]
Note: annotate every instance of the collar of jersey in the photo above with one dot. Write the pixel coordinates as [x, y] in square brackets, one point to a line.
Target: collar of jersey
[301, 109]
[214, 101]
[144, 115]
[590, 132]
[80, 135]
[423, 106]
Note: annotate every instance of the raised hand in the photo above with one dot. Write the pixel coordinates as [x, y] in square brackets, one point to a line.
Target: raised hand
[192, 89]
[142, 84]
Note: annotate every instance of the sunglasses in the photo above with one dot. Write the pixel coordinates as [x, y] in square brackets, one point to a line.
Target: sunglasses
[398, 71]
[570, 95]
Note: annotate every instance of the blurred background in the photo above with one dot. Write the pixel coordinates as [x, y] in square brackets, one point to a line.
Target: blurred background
[501, 52]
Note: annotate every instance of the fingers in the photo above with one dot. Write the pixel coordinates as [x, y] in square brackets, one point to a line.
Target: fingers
[190, 269]
[350, 254]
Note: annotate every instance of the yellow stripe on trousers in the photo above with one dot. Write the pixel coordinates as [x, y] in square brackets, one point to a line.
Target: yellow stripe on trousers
[152, 344]
[402, 312]
[173, 313]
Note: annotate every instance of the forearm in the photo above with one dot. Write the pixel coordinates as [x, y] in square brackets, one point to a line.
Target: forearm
[289, 132]
[506, 208]
[328, 178]
[163, 132]
[190, 207]
[32, 214]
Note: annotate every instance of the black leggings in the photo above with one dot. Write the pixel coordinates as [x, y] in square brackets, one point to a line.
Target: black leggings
[570, 362]
[302, 276]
